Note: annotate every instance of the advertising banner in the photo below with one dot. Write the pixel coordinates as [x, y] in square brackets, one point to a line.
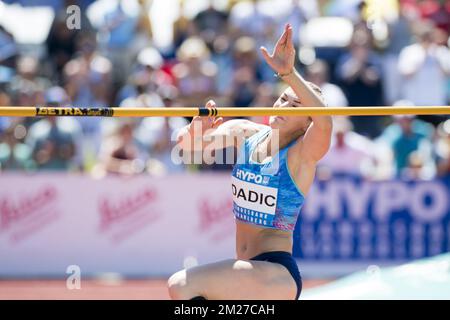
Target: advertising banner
[153, 226]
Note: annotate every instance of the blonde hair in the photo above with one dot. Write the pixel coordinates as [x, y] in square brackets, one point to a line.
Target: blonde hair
[318, 91]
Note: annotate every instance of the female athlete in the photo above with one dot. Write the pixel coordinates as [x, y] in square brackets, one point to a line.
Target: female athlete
[273, 173]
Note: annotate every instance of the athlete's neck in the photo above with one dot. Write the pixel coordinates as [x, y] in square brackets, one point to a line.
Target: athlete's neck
[283, 141]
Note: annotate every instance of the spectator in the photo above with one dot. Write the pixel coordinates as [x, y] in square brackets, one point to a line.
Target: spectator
[27, 70]
[350, 152]
[117, 31]
[157, 136]
[297, 13]
[195, 73]
[359, 72]
[144, 30]
[27, 93]
[210, 23]
[14, 153]
[246, 74]
[5, 100]
[420, 62]
[394, 130]
[121, 153]
[350, 9]
[222, 57]
[61, 44]
[144, 94]
[247, 18]
[399, 36]
[442, 148]
[54, 141]
[8, 48]
[88, 81]
[215, 52]
[183, 28]
[88, 76]
[417, 168]
[437, 11]
[406, 136]
[146, 78]
[318, 74]
[27, 86]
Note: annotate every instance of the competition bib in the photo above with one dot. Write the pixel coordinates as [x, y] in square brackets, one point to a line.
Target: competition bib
[254, 197]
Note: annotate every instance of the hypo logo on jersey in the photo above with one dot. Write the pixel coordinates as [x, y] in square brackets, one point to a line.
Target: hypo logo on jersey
[252, 177]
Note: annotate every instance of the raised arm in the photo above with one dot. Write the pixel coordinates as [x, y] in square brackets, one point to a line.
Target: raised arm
[204, 131]
[316, 140]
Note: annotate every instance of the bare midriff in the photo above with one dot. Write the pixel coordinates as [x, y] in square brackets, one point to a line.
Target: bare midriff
[252, 240]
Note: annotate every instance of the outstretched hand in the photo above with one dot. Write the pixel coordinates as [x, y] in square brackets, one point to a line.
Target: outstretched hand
[205, 123]
[283, 57]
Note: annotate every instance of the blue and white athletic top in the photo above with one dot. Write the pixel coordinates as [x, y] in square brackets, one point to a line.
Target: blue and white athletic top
[264, 194]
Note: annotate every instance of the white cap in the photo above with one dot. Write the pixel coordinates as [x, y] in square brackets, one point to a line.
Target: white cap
[403, 102]
[150, 57]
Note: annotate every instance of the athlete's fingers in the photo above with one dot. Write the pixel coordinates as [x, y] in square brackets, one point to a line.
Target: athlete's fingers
[202, 120]
[283, 37]
[196, 118]
[266, 56]
[210, 104]
[217, 122]
[206, 122]
[200, 124]
[290, 41]
[289, 37]
[211, 119]
[196, 126]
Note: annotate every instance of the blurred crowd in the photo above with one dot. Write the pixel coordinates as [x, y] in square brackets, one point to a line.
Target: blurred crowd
[361, 53]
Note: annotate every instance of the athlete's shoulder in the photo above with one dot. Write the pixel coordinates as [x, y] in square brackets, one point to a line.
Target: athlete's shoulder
[243, 127]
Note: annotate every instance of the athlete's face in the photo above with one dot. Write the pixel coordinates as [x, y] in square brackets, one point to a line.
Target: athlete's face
[289, 124]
